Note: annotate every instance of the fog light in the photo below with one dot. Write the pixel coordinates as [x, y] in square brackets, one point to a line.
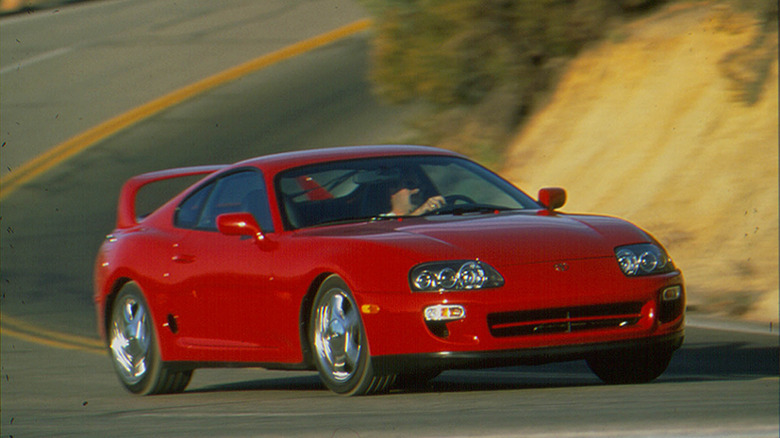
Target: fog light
[671, 293]
[444, 312]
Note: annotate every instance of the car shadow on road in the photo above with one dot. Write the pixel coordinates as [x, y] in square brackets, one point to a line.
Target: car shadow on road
[296, 383]
[452, 381]
[724, 361]
[695, 362]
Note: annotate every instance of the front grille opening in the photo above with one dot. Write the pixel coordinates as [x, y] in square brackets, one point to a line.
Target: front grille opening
[670, 310]
[564, 320]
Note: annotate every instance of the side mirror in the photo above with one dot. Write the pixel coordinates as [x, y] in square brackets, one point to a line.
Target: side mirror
[239, 224]
[552, 198]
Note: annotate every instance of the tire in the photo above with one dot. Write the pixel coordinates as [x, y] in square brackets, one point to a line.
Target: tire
[630, 366]
[339, 343]
[133, 347]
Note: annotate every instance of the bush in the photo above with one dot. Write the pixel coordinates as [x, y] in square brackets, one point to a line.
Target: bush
[452, 52]
[480, 64]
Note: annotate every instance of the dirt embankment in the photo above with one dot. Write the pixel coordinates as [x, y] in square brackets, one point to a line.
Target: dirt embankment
[673, 124]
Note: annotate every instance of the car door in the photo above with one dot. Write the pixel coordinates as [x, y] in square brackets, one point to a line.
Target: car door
[224, 281]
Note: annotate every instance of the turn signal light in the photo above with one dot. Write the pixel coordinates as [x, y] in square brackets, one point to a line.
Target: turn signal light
[444, 312]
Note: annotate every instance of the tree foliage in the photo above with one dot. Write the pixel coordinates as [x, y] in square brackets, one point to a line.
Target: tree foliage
[452, 52]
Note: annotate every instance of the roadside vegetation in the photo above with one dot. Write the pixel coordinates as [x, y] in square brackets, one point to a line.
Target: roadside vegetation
[660, 112]
[481, 67]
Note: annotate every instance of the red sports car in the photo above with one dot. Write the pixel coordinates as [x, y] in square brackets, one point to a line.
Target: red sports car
[374, 265]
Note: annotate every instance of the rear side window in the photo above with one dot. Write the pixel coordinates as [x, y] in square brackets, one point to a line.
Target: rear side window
[242, 191]
[188, 212]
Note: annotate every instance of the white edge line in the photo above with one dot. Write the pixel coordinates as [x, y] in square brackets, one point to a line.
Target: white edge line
[733, 325]
[35, 59]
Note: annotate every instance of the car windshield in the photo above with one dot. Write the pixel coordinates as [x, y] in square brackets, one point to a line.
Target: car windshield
[389, 187]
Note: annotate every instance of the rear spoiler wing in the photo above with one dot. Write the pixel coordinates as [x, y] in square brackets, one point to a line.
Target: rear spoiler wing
[126, 210]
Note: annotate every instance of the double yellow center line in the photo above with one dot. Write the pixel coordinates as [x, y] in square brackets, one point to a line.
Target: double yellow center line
[80, 142]
[28, 332]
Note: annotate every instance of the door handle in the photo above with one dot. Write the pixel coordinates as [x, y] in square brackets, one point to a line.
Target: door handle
[183, 258]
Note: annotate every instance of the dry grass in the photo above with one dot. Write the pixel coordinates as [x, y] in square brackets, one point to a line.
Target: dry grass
[675, 127]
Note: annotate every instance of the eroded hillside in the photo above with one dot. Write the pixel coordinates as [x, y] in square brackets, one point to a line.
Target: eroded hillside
[672, 123]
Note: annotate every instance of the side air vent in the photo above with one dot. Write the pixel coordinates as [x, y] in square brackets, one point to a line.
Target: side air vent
[172, 324]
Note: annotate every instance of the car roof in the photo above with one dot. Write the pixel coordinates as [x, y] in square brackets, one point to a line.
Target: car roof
[277, 162]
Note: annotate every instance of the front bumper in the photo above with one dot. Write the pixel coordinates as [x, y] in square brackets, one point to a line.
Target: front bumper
[413, 363]
[540, 312]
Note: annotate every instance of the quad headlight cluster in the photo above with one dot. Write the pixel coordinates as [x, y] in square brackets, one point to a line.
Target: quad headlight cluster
[454, 275]
[643, 259]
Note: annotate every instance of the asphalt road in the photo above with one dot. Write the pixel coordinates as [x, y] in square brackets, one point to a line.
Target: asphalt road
[55, 381]
[721, 384]
[65, 70]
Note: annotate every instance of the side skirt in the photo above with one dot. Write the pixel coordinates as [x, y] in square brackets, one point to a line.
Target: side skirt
[183, 365]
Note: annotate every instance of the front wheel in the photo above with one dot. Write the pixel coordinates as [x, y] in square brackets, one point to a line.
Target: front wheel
[339, 342]
[631, 366]
[133, 347]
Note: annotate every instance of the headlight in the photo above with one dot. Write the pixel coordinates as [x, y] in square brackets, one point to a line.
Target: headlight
[643, 259]
[454, 276]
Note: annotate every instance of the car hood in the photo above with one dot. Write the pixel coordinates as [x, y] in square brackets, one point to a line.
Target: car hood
[499, 239]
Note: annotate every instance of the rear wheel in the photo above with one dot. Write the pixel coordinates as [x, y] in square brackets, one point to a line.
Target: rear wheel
[133, 347]
[339, 342]
[631, 366]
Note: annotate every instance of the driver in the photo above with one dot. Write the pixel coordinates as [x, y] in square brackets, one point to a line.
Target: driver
[401, 203]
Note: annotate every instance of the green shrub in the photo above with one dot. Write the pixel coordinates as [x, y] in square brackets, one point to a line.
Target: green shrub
[452, 52]
[479, 64]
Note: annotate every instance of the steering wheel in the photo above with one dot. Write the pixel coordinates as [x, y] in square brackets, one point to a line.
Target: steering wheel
[452, 199]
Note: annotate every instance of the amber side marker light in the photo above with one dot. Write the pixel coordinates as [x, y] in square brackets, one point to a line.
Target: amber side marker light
[369, 309]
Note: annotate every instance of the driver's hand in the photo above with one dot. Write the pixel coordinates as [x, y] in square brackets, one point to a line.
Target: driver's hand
[433, 203]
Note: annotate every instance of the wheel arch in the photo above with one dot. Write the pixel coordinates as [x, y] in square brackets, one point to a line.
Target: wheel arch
[303, 327]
